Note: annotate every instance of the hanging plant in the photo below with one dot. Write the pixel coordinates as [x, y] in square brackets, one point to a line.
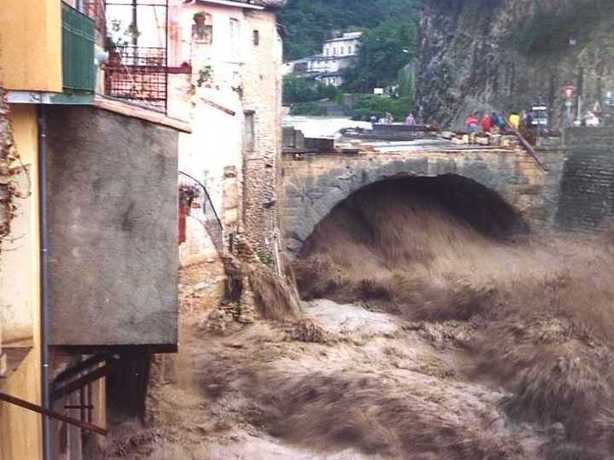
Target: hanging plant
[205, 77]
[10, 168]
[200, 18]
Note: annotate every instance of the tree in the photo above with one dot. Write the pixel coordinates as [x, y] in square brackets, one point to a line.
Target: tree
[384, 51]
[299, 90]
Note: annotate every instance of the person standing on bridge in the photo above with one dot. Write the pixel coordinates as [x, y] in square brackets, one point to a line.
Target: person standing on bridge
[514, 120]
[471, 123]
[499, 120]
[410, 120]
[486, 123]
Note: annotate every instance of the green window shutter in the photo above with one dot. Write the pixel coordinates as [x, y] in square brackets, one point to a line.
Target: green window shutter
[78, 44]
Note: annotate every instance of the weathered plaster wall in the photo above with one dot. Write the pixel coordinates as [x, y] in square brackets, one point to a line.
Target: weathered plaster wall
[113, 229]
[213, 106]
[20, 436]
[314, 186]
[587, 186]
[232, 75]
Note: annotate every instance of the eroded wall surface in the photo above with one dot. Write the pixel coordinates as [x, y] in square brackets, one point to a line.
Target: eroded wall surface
[113, 229]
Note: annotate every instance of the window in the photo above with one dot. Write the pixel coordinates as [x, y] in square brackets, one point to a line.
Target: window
[256, 37]
[202, 29]
[249, 131]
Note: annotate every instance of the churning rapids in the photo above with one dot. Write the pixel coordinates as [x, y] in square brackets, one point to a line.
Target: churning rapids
[435, 326]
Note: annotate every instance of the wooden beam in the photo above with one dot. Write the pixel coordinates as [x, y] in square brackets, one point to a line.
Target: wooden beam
[80, 367]
[80, 382]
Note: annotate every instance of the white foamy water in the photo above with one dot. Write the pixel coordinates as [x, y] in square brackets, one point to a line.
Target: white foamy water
[322, 126]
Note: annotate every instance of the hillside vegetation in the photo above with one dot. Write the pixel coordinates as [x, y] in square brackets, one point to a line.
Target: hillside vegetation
[310, 22]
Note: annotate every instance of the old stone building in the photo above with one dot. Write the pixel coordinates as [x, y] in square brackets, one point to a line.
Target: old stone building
[233, 101]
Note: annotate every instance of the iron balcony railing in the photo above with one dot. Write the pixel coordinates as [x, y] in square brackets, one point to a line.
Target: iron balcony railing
[78, 40]
[138, 74]
[195, 202]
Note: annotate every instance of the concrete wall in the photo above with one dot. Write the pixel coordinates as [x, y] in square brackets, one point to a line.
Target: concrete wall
[20, 436]
[587, 186]
[113, 229]
[31, 45]
[314, 186]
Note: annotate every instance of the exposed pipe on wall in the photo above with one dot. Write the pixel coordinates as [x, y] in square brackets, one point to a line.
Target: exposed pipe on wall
[44, 279]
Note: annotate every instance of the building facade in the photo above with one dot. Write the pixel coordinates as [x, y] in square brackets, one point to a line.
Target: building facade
[88, 269]
[150, 133]
[338, 54]
[233, 100]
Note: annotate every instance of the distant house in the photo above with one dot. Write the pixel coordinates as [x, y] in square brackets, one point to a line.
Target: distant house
[338, 54]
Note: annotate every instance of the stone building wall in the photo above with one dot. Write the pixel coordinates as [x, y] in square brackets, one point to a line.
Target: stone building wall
[587, 186]
[262, 157]
[233, 100]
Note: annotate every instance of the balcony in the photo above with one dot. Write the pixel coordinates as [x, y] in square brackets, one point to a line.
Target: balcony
[78, 41]
[139, 75]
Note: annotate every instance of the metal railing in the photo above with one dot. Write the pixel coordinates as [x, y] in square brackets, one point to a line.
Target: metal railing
[78, 40]
[195, 200]
[138, 74]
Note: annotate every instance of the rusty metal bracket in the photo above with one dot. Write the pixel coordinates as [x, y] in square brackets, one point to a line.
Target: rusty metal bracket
[49, 413]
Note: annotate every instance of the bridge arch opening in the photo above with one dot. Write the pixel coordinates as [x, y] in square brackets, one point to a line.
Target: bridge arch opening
[392, 232]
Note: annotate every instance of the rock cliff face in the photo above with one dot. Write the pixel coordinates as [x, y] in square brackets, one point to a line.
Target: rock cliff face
[510, 54]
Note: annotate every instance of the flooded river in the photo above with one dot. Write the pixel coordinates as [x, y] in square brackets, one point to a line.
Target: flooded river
[322, 126]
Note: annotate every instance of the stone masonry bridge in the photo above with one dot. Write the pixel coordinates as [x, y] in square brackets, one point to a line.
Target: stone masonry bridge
[314, 185]
[575, 193]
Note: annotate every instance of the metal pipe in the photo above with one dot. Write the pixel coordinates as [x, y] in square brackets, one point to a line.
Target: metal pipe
[44, 280]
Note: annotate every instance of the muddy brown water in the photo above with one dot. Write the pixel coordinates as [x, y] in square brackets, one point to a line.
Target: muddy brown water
[435, 326]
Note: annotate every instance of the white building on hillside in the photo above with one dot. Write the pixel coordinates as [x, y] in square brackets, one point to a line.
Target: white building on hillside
[338, 54]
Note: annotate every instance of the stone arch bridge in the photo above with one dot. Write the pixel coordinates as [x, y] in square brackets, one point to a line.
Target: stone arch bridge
[313, 185]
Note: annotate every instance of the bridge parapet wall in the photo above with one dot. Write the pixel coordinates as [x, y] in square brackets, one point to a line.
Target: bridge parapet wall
[315, 185]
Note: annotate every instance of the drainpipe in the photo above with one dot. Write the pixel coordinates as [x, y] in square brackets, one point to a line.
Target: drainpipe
[44, 278]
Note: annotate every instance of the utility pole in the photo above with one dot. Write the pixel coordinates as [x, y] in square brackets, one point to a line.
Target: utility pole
[134, 26]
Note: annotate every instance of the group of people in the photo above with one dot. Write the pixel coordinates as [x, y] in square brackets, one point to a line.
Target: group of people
[489, 122]
[388, 119]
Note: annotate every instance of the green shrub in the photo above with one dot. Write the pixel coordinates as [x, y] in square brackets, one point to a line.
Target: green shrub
[366, 106]
[299, 89]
